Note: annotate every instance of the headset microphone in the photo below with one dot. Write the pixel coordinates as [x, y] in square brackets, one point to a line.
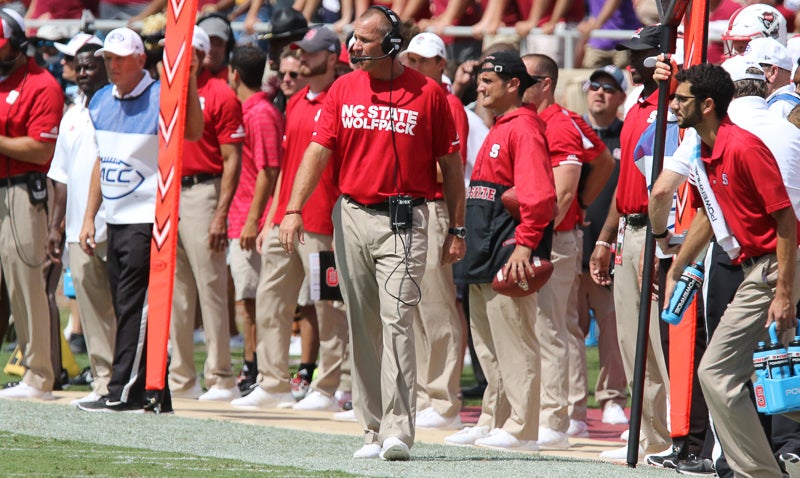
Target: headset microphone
[358, 59]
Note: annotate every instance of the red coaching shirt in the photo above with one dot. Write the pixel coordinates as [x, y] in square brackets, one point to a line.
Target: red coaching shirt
[748, 186]
[222, 114]
[514, 153]
[31, 103]
[631, 187]
[301, 119]
[375, 163]
[462, 128]
[263, 125]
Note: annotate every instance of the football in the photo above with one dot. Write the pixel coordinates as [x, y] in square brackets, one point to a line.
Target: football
[511, 203]
[542, 270]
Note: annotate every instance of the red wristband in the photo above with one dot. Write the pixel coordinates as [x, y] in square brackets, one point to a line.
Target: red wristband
[293, 211]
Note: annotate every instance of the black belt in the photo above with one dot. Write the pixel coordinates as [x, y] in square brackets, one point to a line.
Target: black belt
[188, 181]
[751, 261]
[636, 220]
[383, 207]
[13, 181]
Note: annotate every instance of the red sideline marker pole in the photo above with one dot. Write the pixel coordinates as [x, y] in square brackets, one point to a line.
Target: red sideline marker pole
[171, 124]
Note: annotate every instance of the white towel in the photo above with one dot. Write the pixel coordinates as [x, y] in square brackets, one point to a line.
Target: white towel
[721, 230]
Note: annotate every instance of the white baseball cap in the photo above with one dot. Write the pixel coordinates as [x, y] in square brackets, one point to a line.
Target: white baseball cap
[122, 42]
[77, 42]
[768, 51]
[426, 44]
[743, 68]
[200, 40]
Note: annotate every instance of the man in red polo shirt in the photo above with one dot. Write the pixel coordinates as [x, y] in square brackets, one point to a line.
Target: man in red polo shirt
[743, 176]
[31, 103]
[625, 225]
[560, 335]
[261, 160]
[386, 127]
[438, 329]
[281, 285]
[208, 182]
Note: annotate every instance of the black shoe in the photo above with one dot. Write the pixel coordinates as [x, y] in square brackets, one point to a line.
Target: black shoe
[247, 377]
[664, 461]
[77, 343]
[83, 378]
[104, 405]
[695, 465]
[474, 391]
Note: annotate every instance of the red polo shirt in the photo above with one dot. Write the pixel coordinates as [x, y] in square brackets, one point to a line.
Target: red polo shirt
[631, 187]
[748, 186]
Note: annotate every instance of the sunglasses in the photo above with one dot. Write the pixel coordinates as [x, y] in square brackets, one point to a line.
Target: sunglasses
[607, 87]
[292, 74]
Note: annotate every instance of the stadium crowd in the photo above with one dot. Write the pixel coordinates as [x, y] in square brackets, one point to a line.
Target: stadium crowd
[346, 178]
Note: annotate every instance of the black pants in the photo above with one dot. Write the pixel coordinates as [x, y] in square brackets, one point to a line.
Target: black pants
[128, 275]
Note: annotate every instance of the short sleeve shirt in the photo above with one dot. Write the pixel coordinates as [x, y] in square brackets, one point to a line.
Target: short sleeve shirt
[632, 188]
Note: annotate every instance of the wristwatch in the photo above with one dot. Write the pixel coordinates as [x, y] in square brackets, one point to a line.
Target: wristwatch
[460, 232]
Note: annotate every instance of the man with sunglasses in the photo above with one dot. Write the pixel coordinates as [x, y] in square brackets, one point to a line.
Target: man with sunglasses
[571, 144]
[605, 95]
[774, 59]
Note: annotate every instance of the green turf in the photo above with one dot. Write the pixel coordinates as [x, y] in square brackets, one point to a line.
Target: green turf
[68, 441]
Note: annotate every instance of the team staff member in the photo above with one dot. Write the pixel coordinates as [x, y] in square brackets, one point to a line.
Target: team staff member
[261, 160]
[629, 217]
[745, 179]
[210, 173]
[280, 287]
[438, 329]
[221, 43]
[125, 116]
[71, 172]
[514, 154]
[557, 327]
[31, 103]
[380, 269]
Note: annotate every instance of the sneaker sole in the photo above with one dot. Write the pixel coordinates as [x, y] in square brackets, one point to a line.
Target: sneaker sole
[395, 453]
[516, 450]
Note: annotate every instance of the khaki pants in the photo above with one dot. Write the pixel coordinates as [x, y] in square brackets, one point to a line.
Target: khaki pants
[555, 299]
[506, 345]
[380, 273]
[199, 272]
[727, 365]
[611, 384]
[23, 232]
[437, 326]
[99, 322]
[282, 276]
[655, 435]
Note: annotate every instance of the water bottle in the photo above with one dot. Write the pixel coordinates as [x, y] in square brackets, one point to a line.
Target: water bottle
[778, 361]
[682, 296]
[760, 361]
[794, 355]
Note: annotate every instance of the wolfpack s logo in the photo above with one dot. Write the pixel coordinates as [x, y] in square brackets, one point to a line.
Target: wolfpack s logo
[118, 177]
[380, 118]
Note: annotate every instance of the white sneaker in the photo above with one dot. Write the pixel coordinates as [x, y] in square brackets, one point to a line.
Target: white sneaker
[395, 450]
[613, 414]
[260, 398]
[624, 435]
[192, 393]
[317, 401]
[620, 453]
[467, 436]
[92, 397]
[502, 440]
[552, 439]
[430, 418]
[372, 450]
[22, 391]
[217, 394]
[578, 429]
[346, 416]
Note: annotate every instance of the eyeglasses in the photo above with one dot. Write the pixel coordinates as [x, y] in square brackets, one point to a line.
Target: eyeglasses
[683, 99]
[292, 74]
[607, 87]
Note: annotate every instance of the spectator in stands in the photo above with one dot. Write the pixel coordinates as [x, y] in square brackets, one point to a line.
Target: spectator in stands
[606, 15]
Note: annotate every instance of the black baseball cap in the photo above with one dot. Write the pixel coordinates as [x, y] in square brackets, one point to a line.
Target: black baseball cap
[286, 22]
[645, 38]
[508, 64]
